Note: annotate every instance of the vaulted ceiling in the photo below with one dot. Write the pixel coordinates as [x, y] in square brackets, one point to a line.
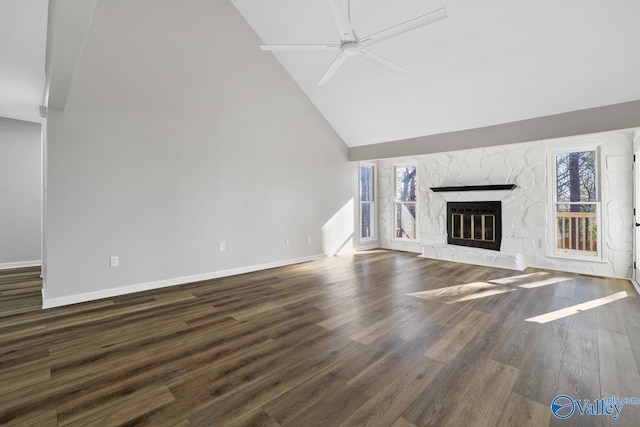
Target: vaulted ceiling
[23, 35]
[487, 63]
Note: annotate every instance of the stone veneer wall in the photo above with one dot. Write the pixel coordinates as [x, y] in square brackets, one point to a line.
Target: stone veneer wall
[526, 210]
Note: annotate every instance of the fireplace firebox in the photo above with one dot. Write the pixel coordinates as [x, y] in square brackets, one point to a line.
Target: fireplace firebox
[475, 224]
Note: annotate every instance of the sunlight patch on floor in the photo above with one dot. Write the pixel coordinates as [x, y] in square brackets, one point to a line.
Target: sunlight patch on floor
[574, 309]
[466, 292]
[530, 281]
[476, 290]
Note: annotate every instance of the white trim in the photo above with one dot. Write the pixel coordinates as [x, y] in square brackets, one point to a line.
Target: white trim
[636, 210]
[372, 204]
[579, 258]
[405, 164]
[368, 246]
[20, 264]
[636, 285]
[552, 249]
[404, 246]
[43, 195]
[139, 287]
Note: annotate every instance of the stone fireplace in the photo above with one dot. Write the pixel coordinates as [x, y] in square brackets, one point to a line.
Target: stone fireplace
[528, 226]
[476, 224]
[471, 223]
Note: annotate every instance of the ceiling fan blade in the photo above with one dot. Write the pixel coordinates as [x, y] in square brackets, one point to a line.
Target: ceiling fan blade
[299, 47]
[332, 68]
[342, 19]
[412, 24]
[381, 61]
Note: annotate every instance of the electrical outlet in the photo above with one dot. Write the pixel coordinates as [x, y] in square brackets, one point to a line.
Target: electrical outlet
[114, 261]
[287, 241]
[223, 246]
[308, 240]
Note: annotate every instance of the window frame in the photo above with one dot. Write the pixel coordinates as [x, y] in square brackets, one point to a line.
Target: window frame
[553, 250]
[372, 203]
[395, 202]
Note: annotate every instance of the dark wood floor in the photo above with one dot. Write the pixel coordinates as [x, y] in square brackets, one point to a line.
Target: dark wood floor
[379, 338]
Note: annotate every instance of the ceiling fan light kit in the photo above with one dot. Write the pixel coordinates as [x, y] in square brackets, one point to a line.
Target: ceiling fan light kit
[350, 45]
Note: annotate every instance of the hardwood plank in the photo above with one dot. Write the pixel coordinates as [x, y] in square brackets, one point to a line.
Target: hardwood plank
[582, 345]
[17, 382]
[485, 401]
[272, 305]
[401, 422]
[332, 410]
[354, 315]
[450, 345]
[14, 358]
[256, 418]
[295, 401]
[629, 417]
[13, 333]
[633, 333]
[379, 374]
[120, 411]
[435, 405]
[340, 340]
[369, 334]
[520, 411]
[619, 374]
[262, 391]
[611, 317]
[540, 365]
[388, 404]
[54, 392]
[579, 383]
[35, 417]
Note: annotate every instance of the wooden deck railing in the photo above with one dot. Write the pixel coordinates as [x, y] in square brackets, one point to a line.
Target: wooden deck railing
[577, 231]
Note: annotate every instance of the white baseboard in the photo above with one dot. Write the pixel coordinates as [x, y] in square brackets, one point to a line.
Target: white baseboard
[368, 247]
[21, 264]
[139, 287]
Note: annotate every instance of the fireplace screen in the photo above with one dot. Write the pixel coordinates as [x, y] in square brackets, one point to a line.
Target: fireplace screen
[475, 224]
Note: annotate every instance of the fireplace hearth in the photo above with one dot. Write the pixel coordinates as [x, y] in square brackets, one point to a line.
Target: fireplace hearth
[475, 224]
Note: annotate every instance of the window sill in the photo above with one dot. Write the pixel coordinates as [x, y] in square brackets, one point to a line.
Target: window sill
[398, 240]
[574, 257]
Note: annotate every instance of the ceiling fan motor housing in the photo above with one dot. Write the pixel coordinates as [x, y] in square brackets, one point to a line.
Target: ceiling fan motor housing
[350, 48]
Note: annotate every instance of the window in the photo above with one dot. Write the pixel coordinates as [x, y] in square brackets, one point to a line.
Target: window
[577, 204]
[405, 202]
[367, 202]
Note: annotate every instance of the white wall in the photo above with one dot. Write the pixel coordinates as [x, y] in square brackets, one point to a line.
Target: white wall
[20, 193]
[526, 210]
[179, 133]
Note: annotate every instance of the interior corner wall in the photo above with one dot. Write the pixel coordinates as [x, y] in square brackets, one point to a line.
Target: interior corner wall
[20, 193]
[525, 210]
[180, 134]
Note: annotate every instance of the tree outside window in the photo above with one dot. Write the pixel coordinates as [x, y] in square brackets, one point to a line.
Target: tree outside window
[405, 203]
[577, 203]
[367, 202]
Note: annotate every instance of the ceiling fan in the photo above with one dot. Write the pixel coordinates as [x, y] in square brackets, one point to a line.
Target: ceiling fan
[351, 45]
